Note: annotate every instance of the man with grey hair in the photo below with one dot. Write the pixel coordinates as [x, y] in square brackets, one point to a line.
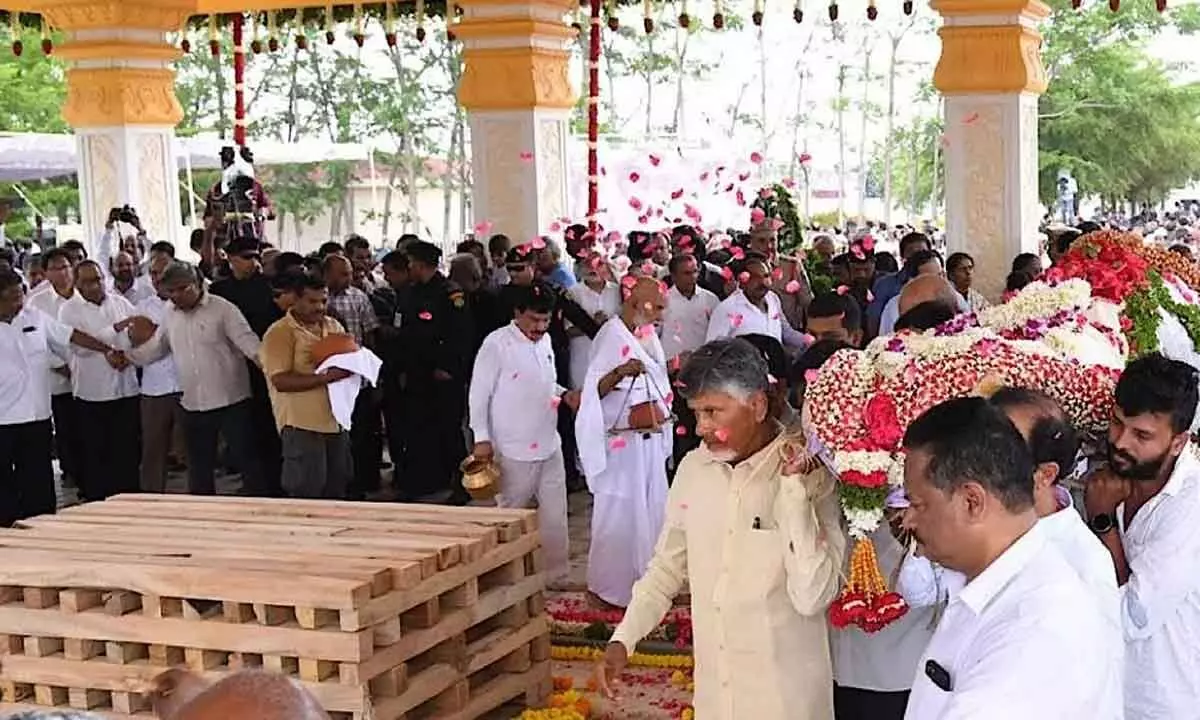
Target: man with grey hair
[210, 340]
[756, 536]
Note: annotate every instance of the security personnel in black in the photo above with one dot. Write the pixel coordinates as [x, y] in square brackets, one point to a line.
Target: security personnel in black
[436, 337]
[521, 271]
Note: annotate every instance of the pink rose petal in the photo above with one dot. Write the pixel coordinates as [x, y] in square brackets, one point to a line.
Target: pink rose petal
[721, 434]
[868, 243]
[970, 119]
[537, 243]
[810, 375]
[533, 446]
[624, 350]
[484, 228]
[804, 157]
[634, 177]
[727, 273]
[756, 158]
[744, 277]
[757, 216]
[654, 159]
[788, 183]
[736, 319]
[842, 289]
[526, 156]
[555, 402]
[425, 315]
[616, 443]
[680, 430]
[792, 287]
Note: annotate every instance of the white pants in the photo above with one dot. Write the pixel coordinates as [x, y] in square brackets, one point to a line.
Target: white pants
[546, 481]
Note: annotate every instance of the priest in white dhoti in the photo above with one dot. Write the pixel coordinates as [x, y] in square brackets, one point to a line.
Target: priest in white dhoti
[624, 433]
[754, 531]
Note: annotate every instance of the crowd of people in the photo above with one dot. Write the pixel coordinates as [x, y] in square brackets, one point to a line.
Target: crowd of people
[665, 374]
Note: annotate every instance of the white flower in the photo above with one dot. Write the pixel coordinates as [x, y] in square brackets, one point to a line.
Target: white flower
[1037, 301]
[863, 461]
[861, 523]
[896, 471]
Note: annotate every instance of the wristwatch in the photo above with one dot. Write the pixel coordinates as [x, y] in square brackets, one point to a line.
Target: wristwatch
[1103, 523]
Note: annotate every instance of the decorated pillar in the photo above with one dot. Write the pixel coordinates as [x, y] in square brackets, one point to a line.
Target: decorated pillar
[991, 75]
[517, 92]
[121, 103]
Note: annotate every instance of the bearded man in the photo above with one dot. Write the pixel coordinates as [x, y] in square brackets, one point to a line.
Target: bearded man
[757, 537]
[624, 435]
[1145, 508]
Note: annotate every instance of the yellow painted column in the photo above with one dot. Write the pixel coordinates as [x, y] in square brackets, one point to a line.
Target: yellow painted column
[518, 96]
[991, 75]
[121, 103]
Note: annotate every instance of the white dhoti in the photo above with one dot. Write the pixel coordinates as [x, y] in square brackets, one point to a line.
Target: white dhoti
[521, 483]
[625, 469]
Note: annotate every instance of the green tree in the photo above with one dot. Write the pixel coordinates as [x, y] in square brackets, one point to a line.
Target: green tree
[33, 88]
[1113, 116]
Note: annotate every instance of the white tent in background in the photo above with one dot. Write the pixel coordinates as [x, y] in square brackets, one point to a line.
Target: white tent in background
[38, 156]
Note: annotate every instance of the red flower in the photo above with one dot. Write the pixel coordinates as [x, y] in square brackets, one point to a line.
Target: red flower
[876, 479]
[848, 609]
[882, 424]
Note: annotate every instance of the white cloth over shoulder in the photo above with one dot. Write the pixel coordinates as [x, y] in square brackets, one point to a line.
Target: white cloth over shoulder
[342, 394]
[626, 470]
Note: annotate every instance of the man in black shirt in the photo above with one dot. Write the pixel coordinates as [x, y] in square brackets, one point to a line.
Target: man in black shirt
[389, 302]
[436, 337]
[251, 291]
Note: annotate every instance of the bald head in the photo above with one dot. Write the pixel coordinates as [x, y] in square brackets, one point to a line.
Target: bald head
[182, 695]
[644, 301]
[927, 288]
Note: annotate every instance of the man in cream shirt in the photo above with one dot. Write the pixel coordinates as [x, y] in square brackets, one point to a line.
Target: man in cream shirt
[1024, 614]
[761, 548]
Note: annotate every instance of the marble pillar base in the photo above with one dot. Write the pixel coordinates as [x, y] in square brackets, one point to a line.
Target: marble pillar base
[519, 167]
[992, 182]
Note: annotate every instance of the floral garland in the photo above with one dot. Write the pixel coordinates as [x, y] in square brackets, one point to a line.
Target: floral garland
[577, 621]
[1110, 261]
[897, 378]
[592, 654]
[1145, 311]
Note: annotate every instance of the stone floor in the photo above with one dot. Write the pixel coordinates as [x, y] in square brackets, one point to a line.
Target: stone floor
[648, 693]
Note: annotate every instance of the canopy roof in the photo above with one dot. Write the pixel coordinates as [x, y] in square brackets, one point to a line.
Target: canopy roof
[34, 156]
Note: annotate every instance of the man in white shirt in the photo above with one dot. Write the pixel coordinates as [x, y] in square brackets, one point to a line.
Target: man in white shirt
[106, 391]
[753, 309]
[49, 298]
[514, 399]
[27, 337]
[759, 545]
[125, 280]
[624, 433]
[1145, 507]
[162, 415]
[1024, 615]
[684, 328]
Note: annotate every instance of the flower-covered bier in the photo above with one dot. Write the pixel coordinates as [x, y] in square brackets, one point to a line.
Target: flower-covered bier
[861, 402]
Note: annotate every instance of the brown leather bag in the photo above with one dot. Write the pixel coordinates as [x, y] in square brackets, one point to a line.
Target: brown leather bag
[646, 416]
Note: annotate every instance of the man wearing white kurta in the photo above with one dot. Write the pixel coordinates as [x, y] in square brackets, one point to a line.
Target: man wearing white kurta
[754, 309]
[1145, 508]
[689, 308]
[1024, 614]
[759, 544]
[513, 404]
[625, 468]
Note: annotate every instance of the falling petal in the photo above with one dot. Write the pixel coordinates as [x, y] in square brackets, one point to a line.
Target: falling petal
[636, 204]
[537, 243]
[727, 273]
[616, 443]
[737, 253]
[680, 430]
[676, 194]
[804, 157]
[526, 156]
[792, 287]
[484, 228]
[777, 273]
[744, 277]
[810, 375]
[634, 177]
[757, 215]
[624, 351]
[756, 158]
[743, 177]
[533, 446]
[968, 120]
[628, 281]
[771, 379]
[721, 434]
[555, 402]
[842, 289]
[868, 243]
[654, 159]
[788, 183]
[425, 315]
[555, 227]
[735, 319]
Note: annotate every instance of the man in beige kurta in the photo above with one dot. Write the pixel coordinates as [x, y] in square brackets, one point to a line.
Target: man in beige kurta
[761, 549]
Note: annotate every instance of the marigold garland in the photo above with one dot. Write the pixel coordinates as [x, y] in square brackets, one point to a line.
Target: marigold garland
[591, 654]
[865, 600]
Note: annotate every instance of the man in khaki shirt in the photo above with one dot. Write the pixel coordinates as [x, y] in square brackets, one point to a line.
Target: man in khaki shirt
[756, 534]
[316, 451]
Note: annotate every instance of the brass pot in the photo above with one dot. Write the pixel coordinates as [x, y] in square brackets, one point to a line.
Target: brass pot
[481, 478]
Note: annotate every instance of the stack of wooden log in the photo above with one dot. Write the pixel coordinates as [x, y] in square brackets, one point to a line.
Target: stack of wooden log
[384, 611]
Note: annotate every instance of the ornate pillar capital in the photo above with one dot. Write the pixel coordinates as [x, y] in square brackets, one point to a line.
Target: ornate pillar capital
[990, 46]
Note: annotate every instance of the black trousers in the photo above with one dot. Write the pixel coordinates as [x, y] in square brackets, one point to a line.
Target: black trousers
[393, 426]
[858, 704]
[26, 474]
[112, 447]
[433, 438]
[234, 423]
[265, 432]
[66, 434]
[687, 441]
[366, 443]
